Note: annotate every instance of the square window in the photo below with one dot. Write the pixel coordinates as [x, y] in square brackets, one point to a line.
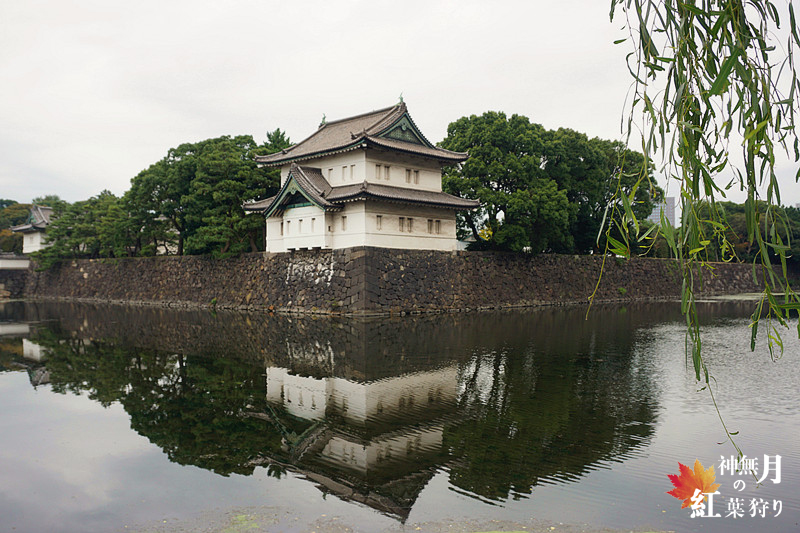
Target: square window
[386, 169]
[344, 223]
[379, 221]
[402, 223]
[410, 225]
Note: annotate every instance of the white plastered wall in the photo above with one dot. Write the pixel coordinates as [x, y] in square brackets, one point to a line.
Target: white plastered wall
[33, 242]
[360, 165]
[383, 227]
[394, 449]
[424, 175]
[298, 228]
[347, 227]
[363, 224]
[340, 169]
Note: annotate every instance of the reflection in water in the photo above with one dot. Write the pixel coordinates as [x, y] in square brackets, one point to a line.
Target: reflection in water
[17, 352]
[368, 410]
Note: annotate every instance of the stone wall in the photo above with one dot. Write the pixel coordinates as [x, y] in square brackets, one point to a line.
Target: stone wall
[401, 280]
[374, 281]
[12, 283]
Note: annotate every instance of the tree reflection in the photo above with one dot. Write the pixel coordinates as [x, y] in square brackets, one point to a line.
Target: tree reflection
[193, 407]
[551, 415]
[496, 400]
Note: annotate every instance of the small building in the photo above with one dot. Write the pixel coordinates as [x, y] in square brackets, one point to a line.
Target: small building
[33, 230]
[368, 180]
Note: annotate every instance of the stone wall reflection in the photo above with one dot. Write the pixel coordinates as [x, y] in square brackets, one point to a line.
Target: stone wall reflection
[369, 410]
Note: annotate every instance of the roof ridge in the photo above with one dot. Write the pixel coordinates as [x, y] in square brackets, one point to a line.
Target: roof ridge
[361, 115]
[353, 135]
[363, 130]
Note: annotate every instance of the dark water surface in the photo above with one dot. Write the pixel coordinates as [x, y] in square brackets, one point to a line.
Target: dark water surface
[116, 417]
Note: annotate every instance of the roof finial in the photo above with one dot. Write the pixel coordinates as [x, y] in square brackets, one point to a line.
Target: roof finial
[401, 98]
[323, 121]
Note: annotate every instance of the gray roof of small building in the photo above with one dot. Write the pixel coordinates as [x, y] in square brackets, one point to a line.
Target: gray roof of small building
[38, 219]
[365, 130]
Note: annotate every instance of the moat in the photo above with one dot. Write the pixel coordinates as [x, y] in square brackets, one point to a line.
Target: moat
[119, 416]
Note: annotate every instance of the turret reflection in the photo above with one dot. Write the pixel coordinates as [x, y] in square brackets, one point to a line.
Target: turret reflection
[368, 410]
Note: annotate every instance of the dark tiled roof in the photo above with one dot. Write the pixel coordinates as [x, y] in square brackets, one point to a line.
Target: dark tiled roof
[350, 133]
[438, 153]
[259, 205]
[312, 182]
[390, 193]
[317, 188]
[38, 219]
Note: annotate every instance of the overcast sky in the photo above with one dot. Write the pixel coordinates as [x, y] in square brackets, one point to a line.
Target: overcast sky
[93, 92]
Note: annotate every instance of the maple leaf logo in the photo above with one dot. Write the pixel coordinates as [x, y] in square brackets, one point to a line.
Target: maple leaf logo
[689, 481]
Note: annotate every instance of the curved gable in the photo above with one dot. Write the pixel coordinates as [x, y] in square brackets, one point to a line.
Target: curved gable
[304, 186]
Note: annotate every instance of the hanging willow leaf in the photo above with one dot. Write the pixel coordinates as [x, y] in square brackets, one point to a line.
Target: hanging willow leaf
[724, 72]
[708, 76]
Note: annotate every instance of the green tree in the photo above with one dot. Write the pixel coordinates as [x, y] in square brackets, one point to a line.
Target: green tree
[225, 177]
[160, 191]
[196, 194]
[540, 190]
[10, 242]
[14, 215]
[588, 170]
[152, 203]
[52, 200]
[276, 141]
[504, 173]
[88, 229]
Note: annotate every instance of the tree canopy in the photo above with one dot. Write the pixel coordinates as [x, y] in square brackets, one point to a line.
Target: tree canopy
[196, 192]
[87, 229]
[188, 202]
[540, 190]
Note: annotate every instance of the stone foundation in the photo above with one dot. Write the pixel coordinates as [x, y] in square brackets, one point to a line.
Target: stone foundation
[12, 283]
[364, 281]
